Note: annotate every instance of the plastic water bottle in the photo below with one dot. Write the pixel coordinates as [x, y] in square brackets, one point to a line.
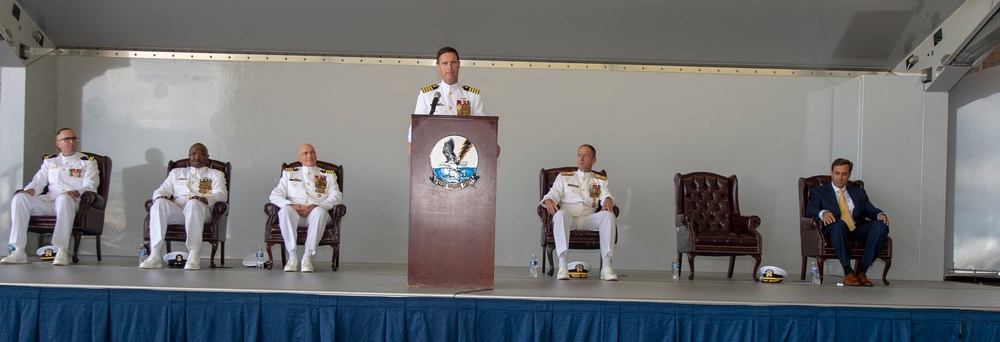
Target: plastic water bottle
[260, 257]
[675, 270]
[142, 253]
[533, 267]
[814, 274]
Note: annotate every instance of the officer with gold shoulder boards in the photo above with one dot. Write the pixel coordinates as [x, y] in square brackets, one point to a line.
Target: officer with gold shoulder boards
[186, 196]
[305, 195]
[68, 175]
[453, 98]
[581, 200]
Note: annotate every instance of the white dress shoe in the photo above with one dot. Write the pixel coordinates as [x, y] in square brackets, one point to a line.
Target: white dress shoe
[292, 265]
[16, 257]
[608, 274]
[563, 273]
[152, 261]
[192, 264]
[307, 265]
[62, 259]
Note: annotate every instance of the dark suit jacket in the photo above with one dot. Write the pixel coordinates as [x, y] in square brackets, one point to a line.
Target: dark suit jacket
[825, 198]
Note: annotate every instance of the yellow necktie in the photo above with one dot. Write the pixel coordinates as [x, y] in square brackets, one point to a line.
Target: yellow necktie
[845, 214]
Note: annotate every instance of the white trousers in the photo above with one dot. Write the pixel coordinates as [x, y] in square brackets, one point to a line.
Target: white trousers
[194, 215]
[23, 206]
[602, 221]
[289, 221]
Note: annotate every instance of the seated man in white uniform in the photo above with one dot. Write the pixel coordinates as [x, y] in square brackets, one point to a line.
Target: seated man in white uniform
[573, 201]
[305, 195]
[68, 175]
[186, 196]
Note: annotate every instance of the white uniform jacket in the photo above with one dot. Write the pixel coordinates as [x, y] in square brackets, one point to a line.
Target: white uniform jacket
[448, 104]
[184, 183]
[451, 95]
[307, 186]
[578, 192]
[77, 172]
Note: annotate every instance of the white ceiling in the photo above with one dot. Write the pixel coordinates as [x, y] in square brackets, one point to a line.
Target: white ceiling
[811, 34]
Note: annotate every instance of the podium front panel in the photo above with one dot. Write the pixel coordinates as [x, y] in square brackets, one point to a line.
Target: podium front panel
[452, 201]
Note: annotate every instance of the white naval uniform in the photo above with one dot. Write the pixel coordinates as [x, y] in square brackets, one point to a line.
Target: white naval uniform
[299, 186]
[447, 104]
[77, 172]
[182, 184]
[579, 211]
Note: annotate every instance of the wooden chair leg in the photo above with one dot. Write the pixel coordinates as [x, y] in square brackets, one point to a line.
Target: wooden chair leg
[77, 236]
[732, 261]
[803, 272]
[284, 255]
[211, 260]
[335, 264]
[550, 250]
[885, 271]
[270, 257]
[98, 238]
[756, 266]
[691, 263]
[222, 257]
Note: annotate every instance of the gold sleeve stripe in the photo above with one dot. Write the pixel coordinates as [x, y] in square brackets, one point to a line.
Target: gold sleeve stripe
[471, 89]
[429, 88]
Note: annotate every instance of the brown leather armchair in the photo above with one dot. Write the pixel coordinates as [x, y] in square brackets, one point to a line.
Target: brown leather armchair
[709, 220]
[578, 239]
[215, 231]
[331, 234]
[90, 217]
[814, 242]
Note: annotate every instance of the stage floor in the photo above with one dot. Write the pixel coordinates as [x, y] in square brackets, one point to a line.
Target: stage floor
[389, 280]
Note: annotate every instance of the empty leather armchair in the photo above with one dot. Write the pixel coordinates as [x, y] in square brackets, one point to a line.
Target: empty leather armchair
[709, 221]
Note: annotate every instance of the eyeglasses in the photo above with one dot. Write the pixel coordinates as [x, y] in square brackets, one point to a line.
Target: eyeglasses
[69, 139]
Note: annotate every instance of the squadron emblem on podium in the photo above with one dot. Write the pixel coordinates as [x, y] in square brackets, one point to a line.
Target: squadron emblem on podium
[454, 160]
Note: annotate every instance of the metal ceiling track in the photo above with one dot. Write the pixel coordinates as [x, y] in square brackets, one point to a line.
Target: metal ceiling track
[288, 58]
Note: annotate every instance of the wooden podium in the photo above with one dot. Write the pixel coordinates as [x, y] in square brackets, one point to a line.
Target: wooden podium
[453, 164]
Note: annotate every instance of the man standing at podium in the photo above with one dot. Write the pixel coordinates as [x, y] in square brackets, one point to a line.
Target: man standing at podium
[448, 97]
[581, 200]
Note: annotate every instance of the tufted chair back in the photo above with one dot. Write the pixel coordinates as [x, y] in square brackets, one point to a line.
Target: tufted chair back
[709, 221]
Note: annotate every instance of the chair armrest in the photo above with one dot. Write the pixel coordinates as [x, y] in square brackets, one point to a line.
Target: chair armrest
[811, 236]
[271, 210]
[91, 199]
[219, 209]
[745, 224]
[149, 204]
[338, 211]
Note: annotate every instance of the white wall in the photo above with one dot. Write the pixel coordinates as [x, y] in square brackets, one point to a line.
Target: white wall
[646, 126]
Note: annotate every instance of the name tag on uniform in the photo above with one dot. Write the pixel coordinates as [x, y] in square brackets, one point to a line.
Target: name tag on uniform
[294, 180]
[573, 185]
[182, 178]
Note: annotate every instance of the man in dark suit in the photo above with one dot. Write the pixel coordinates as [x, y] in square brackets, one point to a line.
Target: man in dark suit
[844, 210]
